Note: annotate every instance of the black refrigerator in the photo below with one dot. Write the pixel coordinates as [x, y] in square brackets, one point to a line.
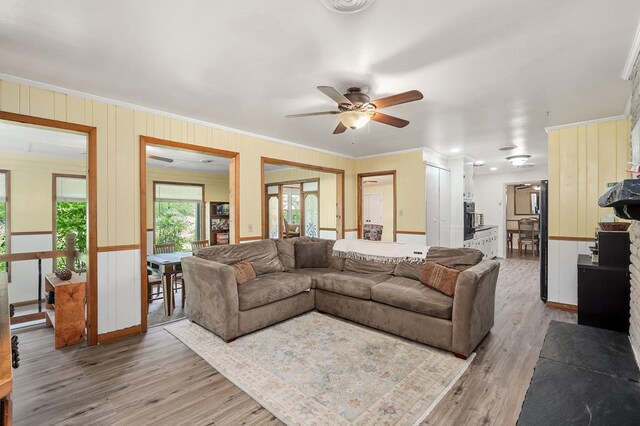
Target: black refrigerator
[544, 239]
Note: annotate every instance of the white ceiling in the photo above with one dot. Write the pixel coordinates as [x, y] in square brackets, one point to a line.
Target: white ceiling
[490, 70]
[42, 142]
[186, 160]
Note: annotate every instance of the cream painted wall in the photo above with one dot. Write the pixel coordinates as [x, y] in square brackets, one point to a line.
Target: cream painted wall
[410, 186]
[216, 187]
[386, 190]
[119, 129]
[582, 160]
[32, 188]
[327, 190]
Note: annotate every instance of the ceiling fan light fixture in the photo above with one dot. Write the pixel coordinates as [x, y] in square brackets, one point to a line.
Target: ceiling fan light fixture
[354, 119]
[347, 6]
[518, 160]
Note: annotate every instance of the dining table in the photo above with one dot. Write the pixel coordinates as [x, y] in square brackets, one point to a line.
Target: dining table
[167, 265]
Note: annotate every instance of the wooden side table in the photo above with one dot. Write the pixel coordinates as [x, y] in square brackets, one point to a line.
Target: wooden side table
[67, 314]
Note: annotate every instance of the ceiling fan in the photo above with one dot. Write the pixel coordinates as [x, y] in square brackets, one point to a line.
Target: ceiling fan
[170, 160]
[355, 109]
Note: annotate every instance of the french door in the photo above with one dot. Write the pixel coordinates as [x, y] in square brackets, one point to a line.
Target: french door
[294, 205]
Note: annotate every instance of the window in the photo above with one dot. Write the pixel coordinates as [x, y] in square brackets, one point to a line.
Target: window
[178, 212]
[291, 204]
[4, 219]
[71, 216]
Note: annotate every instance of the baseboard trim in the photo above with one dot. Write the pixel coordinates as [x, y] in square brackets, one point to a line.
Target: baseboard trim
[119, 334]
[563, 306]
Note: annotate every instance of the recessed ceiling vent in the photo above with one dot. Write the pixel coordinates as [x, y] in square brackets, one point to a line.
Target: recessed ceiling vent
[347, 6]
[527, 166]
[507, 148]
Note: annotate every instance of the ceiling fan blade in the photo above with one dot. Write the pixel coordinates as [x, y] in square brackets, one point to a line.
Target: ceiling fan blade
[155, 157]
[400, 98]
[311, 114]
[335, 95]
[389, 119]
[340, 129]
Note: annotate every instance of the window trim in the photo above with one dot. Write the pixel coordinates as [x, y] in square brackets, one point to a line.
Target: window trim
[7, 183]
[54, 201]
[203, 219]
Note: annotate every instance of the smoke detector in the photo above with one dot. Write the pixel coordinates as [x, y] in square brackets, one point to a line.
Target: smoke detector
[347, 6]
[507, 148]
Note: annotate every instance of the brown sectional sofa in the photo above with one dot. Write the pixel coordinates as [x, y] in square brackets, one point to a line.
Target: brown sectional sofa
[387, 297]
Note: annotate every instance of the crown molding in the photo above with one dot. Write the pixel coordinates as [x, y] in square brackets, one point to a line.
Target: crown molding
[66, 91]
[585, 123]
[633, 56]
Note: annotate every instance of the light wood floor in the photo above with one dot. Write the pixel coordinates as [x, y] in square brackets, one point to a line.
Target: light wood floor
[156, 379]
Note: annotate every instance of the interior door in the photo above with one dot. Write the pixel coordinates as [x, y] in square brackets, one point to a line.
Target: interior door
[433, 206]
[372, 209]
[444, 197]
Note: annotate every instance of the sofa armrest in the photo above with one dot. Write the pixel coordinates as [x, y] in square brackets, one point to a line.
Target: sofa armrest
[474, 306]
[212, 296]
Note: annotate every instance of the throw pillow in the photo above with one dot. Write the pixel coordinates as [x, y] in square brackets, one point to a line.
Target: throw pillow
[244, 271]
[439, 278]
[312, 254]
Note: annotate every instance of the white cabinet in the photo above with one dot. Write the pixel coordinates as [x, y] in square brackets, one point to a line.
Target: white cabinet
[468, 181]
[438, 207]
[485, 240]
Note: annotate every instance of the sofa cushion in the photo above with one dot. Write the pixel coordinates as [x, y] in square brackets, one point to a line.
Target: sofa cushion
[262, 254]
[286, 254]
[350, 283]
[270, 288]
[314, 273]
[334, 262]
[369, 267]
[311, 254]
[413, 296]
[244, 271]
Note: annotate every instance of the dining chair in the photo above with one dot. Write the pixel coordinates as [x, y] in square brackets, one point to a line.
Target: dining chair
[164, 248]
[290, 230]
[176, 279]
[526, 236]
[197, 245]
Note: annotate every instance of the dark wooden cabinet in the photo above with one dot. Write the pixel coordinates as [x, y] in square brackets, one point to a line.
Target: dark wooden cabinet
[603, 295]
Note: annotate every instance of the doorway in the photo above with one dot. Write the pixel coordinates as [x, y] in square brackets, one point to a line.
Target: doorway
[522, 227]
[189, 201]
[301, 200]
[377, 205]
[38, 204]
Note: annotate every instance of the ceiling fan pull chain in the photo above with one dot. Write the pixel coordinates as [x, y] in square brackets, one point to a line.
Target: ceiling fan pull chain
[353, 137]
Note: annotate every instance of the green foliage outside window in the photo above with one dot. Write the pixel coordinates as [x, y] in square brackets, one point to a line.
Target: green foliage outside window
[177, 222]
[71, 218]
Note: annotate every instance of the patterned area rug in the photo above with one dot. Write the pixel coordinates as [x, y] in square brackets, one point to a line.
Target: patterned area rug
[316, 369]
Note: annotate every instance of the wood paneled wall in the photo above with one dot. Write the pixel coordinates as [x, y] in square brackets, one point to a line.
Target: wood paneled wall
[582, 160]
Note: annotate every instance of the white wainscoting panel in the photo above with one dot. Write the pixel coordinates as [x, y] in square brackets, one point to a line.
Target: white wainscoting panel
[24, 275]
[411, 238]
[351, 235]
[563, 270]
[328, 235]
[118, 290]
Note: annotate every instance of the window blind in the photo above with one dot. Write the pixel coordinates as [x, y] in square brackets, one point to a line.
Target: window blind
[169, 192]
[71, 189]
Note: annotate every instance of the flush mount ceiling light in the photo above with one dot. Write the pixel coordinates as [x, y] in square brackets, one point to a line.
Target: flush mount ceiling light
[347, 6]
[354, 119]
[518, 160]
